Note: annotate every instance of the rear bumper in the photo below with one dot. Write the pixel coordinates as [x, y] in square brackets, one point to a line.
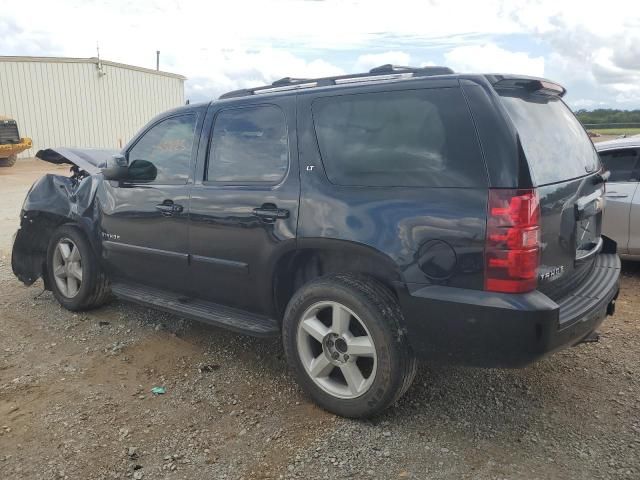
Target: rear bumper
[472, 327]
[14, 148]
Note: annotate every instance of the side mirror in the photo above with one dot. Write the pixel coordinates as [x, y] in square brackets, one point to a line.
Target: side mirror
[142, 171]
[116, 168]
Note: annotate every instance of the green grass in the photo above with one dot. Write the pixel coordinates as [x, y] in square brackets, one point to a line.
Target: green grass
[616, 131]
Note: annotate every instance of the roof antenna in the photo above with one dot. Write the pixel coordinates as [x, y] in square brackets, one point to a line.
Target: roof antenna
[158, 60]
[101, 72]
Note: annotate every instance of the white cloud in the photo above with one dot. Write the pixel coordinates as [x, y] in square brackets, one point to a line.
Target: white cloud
[629, 99]
[128, 26]
[586, 103]
[568, 69]
[490, 58]
[571, 16]
[16, 40]
[219, 72]
[594, 45]
[225, 45]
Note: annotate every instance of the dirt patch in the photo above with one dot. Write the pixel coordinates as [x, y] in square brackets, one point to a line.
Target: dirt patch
[76, 401]
[76, 391]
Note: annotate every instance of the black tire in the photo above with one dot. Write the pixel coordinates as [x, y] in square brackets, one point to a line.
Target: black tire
[375, 307]
[8, 162]
[94, 289]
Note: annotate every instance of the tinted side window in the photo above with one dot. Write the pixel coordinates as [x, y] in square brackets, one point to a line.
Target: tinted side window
[621, 164]
[249, 145]
[416, 138]
[163, 154]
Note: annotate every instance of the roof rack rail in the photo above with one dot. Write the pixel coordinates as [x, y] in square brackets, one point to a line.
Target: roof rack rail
[288, 80]
[383, 72]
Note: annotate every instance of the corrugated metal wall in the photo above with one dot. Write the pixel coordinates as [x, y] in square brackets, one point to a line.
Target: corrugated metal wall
[68, 103]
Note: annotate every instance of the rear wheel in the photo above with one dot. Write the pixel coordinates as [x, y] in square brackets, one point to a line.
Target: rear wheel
[343, 340]
[8, 162]
[74, 273]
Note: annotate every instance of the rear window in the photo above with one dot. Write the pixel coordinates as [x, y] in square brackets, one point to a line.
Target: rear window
[555, 144]
[415, 138]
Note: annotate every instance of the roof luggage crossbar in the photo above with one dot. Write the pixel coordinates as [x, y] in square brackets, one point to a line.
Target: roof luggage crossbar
[391, 72]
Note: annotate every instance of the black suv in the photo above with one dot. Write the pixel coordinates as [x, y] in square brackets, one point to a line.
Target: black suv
[370, 219]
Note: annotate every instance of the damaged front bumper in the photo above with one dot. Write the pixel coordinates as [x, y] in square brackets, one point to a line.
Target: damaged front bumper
[54, 200]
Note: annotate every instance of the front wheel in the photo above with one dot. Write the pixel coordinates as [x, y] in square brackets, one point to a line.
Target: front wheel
[73, 271]
[343, 339]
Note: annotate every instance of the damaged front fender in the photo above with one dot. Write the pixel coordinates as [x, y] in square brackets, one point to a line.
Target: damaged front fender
[52, 201]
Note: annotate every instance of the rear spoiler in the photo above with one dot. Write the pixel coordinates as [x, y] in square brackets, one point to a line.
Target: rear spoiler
[539, 86]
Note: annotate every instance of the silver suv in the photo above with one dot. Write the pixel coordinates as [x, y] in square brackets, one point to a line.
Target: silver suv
[621, 220]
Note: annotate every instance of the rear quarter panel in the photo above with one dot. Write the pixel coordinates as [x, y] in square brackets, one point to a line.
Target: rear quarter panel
[399, 222]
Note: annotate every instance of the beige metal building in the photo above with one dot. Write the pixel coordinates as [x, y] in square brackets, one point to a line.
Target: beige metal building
[83, 102]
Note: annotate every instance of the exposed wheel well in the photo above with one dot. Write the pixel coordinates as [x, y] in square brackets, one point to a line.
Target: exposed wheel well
[29, 256]
[301, 266]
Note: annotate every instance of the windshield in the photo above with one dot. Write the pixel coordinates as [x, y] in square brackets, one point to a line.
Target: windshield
[555, 144]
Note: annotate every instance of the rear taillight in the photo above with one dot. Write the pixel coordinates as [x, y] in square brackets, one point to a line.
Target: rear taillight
[513, 241]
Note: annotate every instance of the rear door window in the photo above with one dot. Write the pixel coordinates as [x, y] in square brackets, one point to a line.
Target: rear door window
[249, 145]
[622, 164]
[555, 144]
[411, 138]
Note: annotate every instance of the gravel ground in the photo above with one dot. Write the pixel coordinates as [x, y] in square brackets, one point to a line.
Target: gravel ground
[76, 403]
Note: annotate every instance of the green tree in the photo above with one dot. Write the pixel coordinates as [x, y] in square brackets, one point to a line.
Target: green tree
[607, 116]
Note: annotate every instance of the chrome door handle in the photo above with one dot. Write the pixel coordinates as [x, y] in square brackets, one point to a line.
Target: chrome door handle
[271, 213]
[616, 195]
[168, 208]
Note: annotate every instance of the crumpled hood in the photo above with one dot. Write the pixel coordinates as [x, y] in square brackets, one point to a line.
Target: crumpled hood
[91, 160]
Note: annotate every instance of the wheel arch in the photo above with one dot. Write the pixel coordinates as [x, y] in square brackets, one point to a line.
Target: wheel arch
[317, 257]
[29, 252]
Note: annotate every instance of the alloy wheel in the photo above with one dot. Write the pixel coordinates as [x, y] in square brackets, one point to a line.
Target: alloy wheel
[337, 350]
[67, 267]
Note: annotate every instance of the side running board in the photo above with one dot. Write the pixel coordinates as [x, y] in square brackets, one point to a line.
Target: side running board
[203, 311]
